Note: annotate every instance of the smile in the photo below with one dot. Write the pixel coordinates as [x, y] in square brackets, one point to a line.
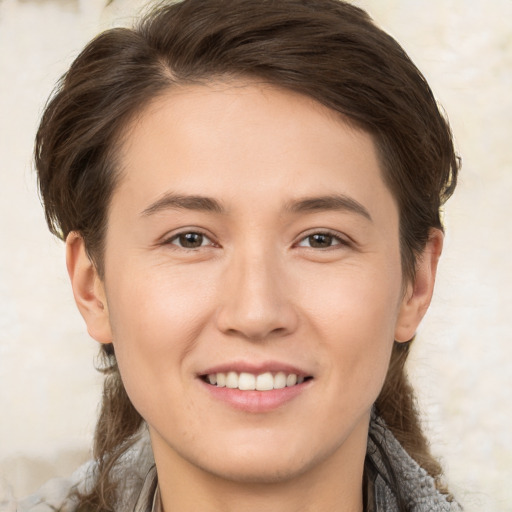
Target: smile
[245, 381]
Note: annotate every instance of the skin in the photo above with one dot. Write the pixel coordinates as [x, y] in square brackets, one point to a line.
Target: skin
[257, 289]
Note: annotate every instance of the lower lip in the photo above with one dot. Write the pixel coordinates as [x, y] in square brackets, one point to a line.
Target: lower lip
[256, 401]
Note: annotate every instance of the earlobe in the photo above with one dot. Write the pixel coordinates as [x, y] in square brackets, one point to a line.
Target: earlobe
[88, 289]
[419, 293]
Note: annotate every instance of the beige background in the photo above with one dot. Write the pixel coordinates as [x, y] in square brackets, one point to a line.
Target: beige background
[461, 363]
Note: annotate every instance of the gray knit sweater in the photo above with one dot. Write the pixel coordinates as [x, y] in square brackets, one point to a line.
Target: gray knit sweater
[138, 484]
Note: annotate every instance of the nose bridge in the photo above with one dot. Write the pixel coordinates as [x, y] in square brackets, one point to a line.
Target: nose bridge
[256, 301]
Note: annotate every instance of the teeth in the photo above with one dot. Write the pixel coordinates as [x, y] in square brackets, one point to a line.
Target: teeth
[221, 380]
[265, 382]
[291, 380]
[280, 381]
[232, 380]
[249, 382]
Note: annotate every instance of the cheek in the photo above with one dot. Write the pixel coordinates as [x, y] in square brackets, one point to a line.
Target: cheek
[354, 318]
[356, 301]
[155, 318]
[158, 305]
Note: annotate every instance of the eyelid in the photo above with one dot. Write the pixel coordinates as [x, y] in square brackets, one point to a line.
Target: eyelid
[169, 238]
[343, 240]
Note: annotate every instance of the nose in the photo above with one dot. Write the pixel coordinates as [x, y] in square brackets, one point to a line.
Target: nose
[256, 299]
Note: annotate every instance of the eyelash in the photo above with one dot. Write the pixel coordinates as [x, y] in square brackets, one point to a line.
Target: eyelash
[177, 236]
[334, 236]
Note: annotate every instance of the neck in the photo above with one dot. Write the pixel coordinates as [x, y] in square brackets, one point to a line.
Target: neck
[333, 484]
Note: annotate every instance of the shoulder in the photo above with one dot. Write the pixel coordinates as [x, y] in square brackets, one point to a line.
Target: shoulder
[417, 486]
[58, 493]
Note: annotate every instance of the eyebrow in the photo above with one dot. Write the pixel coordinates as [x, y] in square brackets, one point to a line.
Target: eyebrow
[171, 201]
[335, 202]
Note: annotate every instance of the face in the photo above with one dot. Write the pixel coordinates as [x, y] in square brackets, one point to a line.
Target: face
[253, 284]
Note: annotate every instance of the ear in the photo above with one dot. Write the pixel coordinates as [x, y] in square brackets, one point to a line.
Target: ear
[88, 289]
[418, 294]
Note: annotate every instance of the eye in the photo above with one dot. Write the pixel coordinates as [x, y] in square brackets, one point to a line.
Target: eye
[321, 241]
[190, 240]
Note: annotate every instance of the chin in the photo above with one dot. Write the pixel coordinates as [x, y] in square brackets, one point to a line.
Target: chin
[256, 472]
[259, 464]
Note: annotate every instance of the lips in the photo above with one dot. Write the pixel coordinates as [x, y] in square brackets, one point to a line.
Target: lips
[247, 381]
[253, 387]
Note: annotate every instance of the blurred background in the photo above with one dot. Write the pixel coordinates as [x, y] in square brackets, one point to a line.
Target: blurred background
[461, 364]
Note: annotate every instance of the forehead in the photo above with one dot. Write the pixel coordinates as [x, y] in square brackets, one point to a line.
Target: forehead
[246, 139]
[216, 106]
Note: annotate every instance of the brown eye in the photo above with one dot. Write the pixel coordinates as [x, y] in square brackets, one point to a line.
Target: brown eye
[190, 240]
[321, 241]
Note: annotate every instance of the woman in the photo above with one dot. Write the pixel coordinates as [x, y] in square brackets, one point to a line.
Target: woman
[250, 195]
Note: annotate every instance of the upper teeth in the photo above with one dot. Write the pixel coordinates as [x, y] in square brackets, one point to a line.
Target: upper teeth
[247, 381]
